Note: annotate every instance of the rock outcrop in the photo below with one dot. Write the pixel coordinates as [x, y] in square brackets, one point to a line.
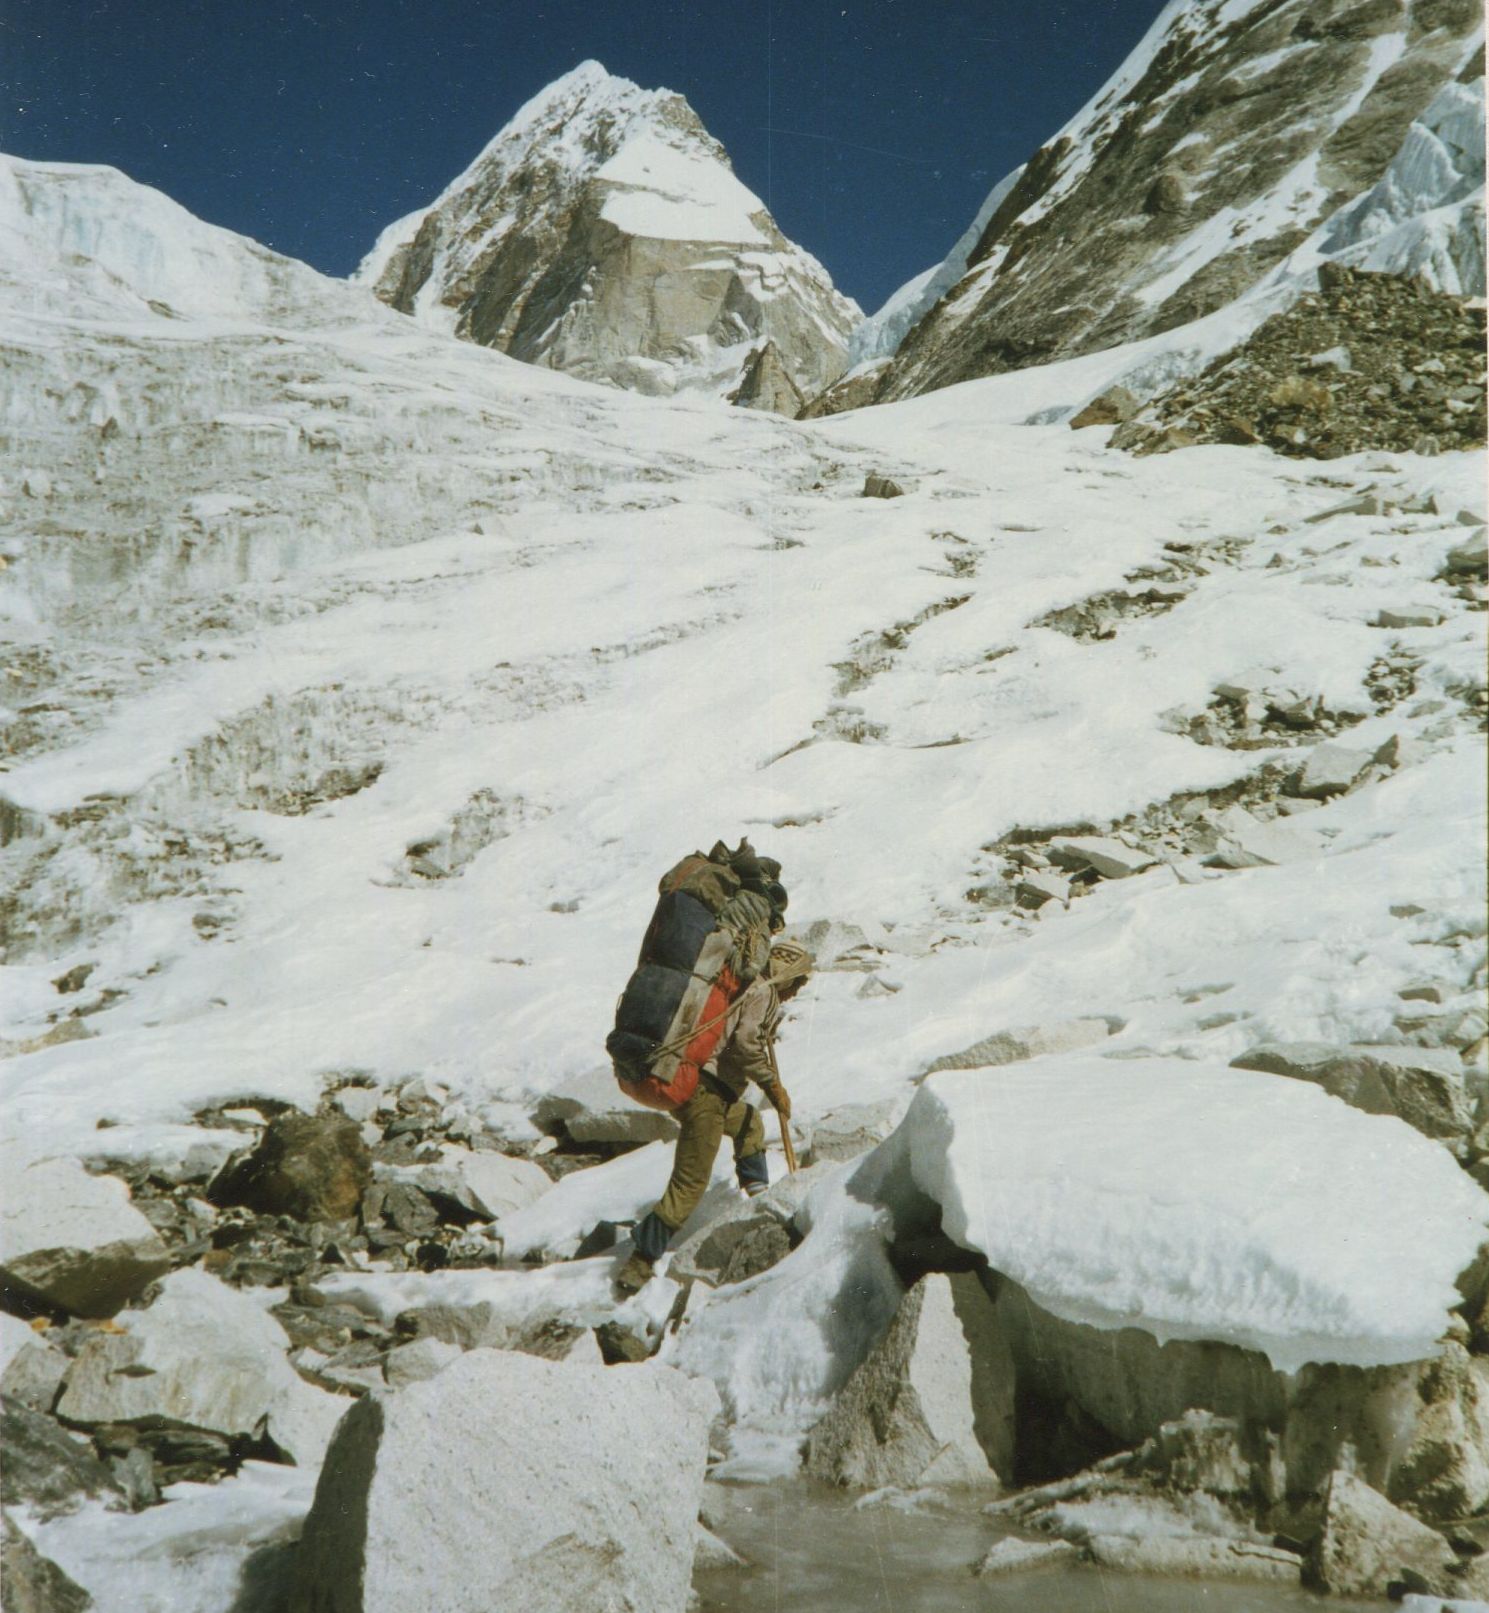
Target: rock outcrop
[508, 1481]
[1229, 137]
[932, 1403]
[603, 233]
[74, 1242]
[1366, 1543]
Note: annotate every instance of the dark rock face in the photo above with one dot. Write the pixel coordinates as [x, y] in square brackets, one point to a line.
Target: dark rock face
[1095, 245]
[46, 1468]
[1373, 361]
[311, 1167]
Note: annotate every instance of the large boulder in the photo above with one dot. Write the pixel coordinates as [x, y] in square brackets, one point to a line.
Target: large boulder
[468, 1183]
[1366, 1543]
[511, 1483]
[1424, 1086]
[1444, 1470]
[71, 1241]
[932, 1404]
[31, 1583]
[311, 1167]
[204, 1356]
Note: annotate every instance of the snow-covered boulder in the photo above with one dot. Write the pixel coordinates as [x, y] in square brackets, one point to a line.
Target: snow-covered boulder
[472, 1184]
[202, 1356]
[513, 1482]
[1022, 1042]
[1192, 1201]
[932, 1404]
[74, 1241]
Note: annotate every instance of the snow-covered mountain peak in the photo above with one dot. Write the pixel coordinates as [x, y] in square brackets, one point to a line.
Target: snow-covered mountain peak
[603, 231]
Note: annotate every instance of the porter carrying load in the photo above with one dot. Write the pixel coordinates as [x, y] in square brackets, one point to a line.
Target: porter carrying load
[708, 939]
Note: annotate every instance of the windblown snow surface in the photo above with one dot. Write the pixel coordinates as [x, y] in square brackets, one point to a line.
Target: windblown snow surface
[294, 585]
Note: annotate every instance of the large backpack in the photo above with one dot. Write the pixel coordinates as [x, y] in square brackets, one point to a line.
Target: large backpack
[709, 937]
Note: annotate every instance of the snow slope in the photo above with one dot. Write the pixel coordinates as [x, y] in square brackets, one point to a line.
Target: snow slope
[334, 586]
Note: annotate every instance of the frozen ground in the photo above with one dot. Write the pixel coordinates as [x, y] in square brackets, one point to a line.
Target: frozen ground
[300, 597]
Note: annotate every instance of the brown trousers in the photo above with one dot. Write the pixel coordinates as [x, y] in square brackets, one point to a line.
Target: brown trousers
[706, 1119]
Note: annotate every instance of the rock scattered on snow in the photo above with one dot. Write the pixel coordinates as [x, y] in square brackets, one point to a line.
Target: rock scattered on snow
[601, 1477]
[1110, 858]
[1424, 1086]
[1026, 1042]
[204, 1357]
[1110, 408]
[311, 1167]
[876, 485]
[1365, 1543]
[1245, 841]
[1330, 770]
[933, 1401]
[73, 1241]
[1410, 616]
[1039, 886]
[417, 1360]
[592, 1109]
[851, 1130]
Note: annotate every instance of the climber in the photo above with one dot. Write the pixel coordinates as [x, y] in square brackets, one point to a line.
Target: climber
[718, 1110]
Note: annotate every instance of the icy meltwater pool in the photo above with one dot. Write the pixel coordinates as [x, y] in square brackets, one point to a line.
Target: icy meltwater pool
[811, 1552]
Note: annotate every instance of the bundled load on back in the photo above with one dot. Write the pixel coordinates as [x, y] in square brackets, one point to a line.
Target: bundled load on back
[709, 937]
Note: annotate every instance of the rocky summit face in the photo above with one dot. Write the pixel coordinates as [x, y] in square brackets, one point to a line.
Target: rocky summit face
[1234, 132]
[603, 233]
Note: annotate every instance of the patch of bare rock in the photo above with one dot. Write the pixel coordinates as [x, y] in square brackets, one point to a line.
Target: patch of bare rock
[1372, 361]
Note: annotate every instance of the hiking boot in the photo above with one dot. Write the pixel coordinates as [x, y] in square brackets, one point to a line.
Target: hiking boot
[634, 1275]
[753, 1190]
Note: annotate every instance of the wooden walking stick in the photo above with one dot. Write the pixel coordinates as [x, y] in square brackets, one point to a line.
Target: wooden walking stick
[786, 1142]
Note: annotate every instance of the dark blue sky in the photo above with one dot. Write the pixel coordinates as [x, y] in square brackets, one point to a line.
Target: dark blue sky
[872, 128]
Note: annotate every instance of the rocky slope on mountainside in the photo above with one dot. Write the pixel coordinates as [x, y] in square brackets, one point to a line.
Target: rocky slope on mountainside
[1373, 361]
[603, 233]
[1230, 135]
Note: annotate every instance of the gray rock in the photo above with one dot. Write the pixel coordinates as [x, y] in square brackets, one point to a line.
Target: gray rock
[1468, 559]
[31, 1583]
[852, 1130]
[1014, 1556]
[1361, 504]
[206, 1357]
[1026, 1042]
[46, 1468]
[311, 1167]
[1330, 770]
[1244, 841]
[1424, 1086]
[592, 1109]
[74, 1241]
[877, 486]
[767, 384]
[1184, 1557]
[1366, 1543]
[31, 1369]
[1414, 616]
[601, 1476]
[933, 1403]
[1109, 408]
[1110, 858]
[1442, 1472]
[418, 1360]
[712, 1553]
[1037, 887]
